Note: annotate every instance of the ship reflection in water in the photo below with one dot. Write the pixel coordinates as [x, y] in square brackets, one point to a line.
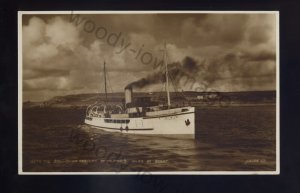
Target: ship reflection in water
[228, 139]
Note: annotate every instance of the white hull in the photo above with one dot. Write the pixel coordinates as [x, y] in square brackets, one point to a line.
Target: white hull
[175, 123]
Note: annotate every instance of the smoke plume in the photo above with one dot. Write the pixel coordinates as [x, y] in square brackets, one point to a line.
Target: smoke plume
[204, 75]
[188, 68]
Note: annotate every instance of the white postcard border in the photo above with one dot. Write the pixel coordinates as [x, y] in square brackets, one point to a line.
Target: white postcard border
[20, 95]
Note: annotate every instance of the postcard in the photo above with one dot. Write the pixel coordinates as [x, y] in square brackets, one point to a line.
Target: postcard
[148, 92]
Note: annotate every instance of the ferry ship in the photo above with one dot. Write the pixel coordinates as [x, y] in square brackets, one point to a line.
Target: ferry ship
[132, 118]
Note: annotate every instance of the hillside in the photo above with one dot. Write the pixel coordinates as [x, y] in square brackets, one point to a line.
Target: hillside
[192, 98]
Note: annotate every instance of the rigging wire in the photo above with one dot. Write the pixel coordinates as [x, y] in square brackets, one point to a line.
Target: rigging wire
[109, 83]
[175, 87]
[99, 92]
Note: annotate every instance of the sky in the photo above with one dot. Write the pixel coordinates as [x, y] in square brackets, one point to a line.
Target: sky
[64, 54]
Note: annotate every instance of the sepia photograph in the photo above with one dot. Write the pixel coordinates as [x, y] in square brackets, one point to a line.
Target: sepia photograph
[148, 92]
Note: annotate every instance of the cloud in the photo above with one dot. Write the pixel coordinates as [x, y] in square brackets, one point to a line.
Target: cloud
[227, 30]
[226, 52]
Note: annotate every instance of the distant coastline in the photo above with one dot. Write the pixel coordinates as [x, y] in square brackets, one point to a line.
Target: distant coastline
[198, 99]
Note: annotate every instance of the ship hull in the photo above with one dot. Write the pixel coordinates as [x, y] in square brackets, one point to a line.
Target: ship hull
[180, 123]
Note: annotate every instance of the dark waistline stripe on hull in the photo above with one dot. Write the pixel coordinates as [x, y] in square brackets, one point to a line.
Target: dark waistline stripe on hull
[146, 129]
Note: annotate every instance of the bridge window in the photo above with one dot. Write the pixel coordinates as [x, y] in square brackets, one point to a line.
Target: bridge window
[184, 110]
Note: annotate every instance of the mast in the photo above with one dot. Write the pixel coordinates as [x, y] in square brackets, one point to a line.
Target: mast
[104, 69]
[167, 79]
